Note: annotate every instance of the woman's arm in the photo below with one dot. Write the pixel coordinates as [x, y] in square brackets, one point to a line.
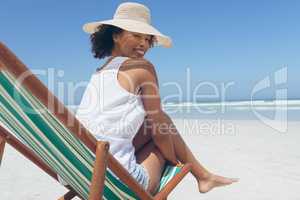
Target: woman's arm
[157, 120]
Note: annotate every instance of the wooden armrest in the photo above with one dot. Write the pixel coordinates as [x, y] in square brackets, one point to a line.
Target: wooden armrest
[2, 145]
[97, 184]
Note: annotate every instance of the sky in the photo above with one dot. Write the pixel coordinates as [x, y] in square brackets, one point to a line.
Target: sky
[222, 50]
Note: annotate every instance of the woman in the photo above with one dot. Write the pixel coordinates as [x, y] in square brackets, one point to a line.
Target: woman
[122, 104]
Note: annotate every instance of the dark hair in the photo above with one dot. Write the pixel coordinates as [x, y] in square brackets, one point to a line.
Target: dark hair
[102, 40]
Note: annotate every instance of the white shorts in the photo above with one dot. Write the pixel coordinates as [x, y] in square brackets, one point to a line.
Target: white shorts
[141, 175]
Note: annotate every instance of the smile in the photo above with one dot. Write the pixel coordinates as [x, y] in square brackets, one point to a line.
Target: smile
[139, 51]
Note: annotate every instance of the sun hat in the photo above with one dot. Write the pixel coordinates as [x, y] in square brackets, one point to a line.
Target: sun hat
[133, 17]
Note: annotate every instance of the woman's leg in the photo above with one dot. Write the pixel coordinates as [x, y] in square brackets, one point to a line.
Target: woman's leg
[151, 158]
[206, 180]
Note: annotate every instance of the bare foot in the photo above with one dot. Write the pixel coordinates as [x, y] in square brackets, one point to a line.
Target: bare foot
[213, 181]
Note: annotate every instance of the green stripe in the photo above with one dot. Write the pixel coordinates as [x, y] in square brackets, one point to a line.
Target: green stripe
[35, 146]
[7, 85]
[169, 172]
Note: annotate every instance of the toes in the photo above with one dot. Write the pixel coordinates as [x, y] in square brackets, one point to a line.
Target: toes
[235, 179]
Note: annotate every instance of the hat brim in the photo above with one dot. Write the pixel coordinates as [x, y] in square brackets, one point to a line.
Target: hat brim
[133, 26]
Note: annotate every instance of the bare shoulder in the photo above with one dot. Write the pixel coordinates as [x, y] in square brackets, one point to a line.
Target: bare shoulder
[143, 68]
[138, 63]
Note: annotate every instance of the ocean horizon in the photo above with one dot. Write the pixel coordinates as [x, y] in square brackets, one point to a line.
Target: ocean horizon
[232, 110]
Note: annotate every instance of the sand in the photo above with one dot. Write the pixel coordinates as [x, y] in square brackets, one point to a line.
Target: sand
[266, 161]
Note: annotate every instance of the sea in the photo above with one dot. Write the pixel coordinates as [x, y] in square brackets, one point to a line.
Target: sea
[232, 110]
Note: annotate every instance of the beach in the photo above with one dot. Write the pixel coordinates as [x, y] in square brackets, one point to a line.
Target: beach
[266, 161]
[225, 72]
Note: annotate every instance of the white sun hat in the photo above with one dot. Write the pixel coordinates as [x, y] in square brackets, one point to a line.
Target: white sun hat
[133, 17]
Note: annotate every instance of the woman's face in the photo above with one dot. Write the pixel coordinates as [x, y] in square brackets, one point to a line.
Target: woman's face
[131, 44]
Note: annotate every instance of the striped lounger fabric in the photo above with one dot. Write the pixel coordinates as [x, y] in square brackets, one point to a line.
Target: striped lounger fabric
[29, 120]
